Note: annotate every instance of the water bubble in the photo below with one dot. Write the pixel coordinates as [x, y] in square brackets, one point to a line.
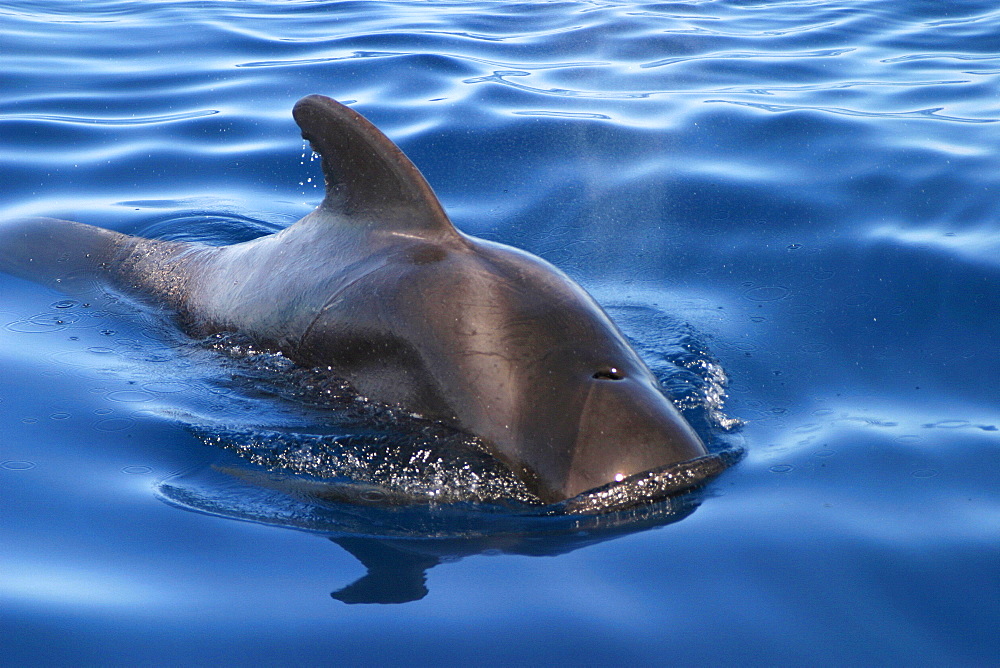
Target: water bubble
[781, 468]
[54, 319]
[29, 327]
[77, 358]
[137, 470]
[130, 396]
[15, 465]
[924, 473]
[767, 293]
[114, 424]
[948, 424]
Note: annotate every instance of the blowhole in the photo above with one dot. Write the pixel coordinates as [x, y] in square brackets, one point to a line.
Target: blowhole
[609, 373]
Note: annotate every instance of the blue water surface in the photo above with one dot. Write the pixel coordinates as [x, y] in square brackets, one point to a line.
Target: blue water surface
[801, 191]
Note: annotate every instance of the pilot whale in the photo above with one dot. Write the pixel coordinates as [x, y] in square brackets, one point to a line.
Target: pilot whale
[378, 285]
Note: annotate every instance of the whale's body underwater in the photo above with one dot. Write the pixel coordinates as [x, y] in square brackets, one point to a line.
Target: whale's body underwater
[378, 285]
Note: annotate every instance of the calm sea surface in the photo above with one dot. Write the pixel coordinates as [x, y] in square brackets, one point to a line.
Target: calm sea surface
[802, 194]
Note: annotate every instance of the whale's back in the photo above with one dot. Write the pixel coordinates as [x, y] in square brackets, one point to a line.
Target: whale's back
[75, 258]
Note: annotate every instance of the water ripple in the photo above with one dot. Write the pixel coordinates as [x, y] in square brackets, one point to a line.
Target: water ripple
[135, 120]
[824, 53]
[945, 56]
[562, 114]
[836, 85]
[328, 59]
[754, 176]
[499, 77]
[355, 55]
[692, 30]
[918, 113]
[990, 16]
[508, 36]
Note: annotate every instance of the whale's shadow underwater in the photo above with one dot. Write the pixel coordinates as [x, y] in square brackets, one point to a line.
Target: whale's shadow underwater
[397, 545]
[568, 437]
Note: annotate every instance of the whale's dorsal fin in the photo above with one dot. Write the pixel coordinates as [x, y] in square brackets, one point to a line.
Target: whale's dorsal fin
[368, 177]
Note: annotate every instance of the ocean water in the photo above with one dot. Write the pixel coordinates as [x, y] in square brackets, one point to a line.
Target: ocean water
[798, 195]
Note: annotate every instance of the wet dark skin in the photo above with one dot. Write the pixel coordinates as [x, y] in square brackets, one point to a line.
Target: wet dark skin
[377, 284]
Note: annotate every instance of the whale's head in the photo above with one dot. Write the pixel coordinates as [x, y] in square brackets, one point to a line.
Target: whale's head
[615, 424]
[491, 339]
[504, 346]
[552, 383]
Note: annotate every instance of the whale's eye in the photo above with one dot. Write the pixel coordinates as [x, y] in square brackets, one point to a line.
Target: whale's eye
[609, 373]
[373, 496]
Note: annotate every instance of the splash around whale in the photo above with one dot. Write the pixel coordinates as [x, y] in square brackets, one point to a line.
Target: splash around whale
[378, 285]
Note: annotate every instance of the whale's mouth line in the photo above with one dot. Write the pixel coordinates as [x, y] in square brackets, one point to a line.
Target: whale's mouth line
[650, 486]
